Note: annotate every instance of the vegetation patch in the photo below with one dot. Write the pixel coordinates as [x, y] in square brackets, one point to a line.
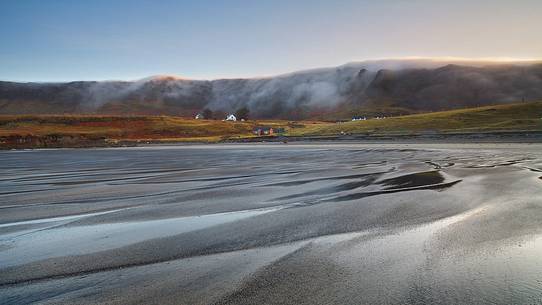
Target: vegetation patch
[511, 117]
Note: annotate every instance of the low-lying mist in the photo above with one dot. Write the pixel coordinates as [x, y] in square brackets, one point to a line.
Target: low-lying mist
[354, 88]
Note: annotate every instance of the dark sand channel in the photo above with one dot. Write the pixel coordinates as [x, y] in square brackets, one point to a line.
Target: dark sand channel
[273, 224]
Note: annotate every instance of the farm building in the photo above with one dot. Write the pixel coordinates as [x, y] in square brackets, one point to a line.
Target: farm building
[267, 130]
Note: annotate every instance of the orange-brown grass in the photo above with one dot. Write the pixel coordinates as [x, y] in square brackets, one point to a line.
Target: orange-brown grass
[130, 127]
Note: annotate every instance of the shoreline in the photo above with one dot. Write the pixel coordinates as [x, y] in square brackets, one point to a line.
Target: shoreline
[527, 137]
[137, 223]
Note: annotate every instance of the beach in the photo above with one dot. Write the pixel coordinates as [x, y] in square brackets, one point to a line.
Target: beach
[275, 223]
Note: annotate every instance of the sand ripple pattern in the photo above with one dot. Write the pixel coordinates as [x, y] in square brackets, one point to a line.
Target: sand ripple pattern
[266, 224]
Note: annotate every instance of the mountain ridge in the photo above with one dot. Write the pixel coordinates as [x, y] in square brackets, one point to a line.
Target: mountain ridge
[387, 87]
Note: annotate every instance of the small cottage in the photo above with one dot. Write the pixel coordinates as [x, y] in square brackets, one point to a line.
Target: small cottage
[231, 117]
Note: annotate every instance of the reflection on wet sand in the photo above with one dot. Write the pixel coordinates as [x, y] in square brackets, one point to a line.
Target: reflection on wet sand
[252, 224]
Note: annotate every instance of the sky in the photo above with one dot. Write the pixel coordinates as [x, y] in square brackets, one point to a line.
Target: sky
[58, 40]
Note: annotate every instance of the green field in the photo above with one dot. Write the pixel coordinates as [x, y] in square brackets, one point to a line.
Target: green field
[510, 117]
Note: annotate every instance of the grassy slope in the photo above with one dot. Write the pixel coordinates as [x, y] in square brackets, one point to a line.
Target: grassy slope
[119, 127]
[511, 117]
[88, 130]
[128, 128]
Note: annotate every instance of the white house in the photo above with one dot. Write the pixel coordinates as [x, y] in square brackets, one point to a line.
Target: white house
[199, 116]
[231, 117]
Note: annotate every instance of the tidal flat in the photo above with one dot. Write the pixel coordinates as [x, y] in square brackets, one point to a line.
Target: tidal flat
[303, 223]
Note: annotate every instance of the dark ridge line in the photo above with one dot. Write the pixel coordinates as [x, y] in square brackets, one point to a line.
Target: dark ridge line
[52, 175]
[104, 180]
[83, 201]
[339, 188]
[213, 179]
[74, 183]
[21, 192]
[96, 172]
[412, 180]
[300, 182]
[369, 194]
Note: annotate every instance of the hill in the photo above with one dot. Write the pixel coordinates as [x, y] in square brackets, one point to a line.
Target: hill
[362, 88]
[499, 118]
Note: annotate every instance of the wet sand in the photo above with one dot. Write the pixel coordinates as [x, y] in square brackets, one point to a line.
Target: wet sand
[334, 223]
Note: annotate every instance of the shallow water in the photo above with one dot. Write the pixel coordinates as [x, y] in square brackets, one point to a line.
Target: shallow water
[295, 224]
